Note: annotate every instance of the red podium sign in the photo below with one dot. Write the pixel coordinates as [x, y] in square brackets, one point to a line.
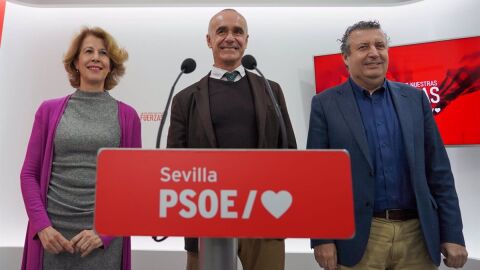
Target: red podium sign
[226, 193]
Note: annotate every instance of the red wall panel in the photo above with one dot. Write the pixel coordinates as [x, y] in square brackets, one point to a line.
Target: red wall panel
[448, 71]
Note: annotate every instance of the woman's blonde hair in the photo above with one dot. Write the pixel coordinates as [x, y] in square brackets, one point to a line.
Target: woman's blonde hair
[116, 54]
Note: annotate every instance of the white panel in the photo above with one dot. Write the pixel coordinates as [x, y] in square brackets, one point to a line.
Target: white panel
[210, 3]
[284, 41]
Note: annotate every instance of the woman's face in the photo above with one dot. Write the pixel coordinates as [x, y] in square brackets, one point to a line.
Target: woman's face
[92, 63]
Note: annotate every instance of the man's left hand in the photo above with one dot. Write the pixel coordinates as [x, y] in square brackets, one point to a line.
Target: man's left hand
[455, 255]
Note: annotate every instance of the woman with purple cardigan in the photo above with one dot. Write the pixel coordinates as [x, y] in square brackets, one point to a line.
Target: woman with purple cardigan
[58, 174]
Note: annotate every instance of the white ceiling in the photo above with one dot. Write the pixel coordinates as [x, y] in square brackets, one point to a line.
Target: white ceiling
[209, 3]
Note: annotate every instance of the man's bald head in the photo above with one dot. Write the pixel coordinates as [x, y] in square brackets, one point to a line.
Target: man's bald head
[221, 13]
[228, 38]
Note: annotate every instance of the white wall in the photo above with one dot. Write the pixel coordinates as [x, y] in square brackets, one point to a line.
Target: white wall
[284, 41]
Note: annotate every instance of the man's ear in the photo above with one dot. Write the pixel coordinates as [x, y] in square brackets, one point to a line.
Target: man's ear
[345, 60]
[209, 41]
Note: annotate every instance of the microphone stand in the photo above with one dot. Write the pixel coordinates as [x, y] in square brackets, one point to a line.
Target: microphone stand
[278, 112]
[165, 112]
[184, 69]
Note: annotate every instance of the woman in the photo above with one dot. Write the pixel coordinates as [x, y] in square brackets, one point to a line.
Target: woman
[58, 174]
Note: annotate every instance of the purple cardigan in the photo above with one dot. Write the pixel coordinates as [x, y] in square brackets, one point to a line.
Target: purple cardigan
[36, 170]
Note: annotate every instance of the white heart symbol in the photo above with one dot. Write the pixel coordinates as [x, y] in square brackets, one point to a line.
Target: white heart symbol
[437, 110]
[276, 203]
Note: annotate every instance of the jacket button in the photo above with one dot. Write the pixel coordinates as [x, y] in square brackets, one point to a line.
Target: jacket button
[371, 173]
[368, 204]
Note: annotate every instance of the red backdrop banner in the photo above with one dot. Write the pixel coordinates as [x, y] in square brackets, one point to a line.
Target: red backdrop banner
[448, 71]
[2, 16]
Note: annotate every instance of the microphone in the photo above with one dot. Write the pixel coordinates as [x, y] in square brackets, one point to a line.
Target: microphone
[249, 62]
[188, 66]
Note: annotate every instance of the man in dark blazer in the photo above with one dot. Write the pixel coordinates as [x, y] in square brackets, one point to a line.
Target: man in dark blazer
[406, 206]
[230, 108]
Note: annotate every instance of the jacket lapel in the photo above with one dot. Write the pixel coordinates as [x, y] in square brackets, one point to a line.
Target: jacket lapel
[348, 106]
[402, 105]
[203, 106]
[260, 100]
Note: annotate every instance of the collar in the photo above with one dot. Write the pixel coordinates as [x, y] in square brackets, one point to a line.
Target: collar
[217, 73]
[358, 89]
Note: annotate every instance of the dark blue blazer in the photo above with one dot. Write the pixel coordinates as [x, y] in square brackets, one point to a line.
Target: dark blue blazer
[335, 123]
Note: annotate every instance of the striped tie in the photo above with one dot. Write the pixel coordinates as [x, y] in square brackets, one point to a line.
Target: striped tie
[231, 75]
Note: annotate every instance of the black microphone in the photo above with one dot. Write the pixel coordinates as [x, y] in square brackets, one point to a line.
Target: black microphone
[188, 66]
[249, 62]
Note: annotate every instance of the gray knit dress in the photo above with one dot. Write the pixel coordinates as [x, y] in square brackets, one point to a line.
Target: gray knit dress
[90, 121]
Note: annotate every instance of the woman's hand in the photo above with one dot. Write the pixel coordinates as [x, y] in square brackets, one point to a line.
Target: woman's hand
[53, 241]
[86, 241]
